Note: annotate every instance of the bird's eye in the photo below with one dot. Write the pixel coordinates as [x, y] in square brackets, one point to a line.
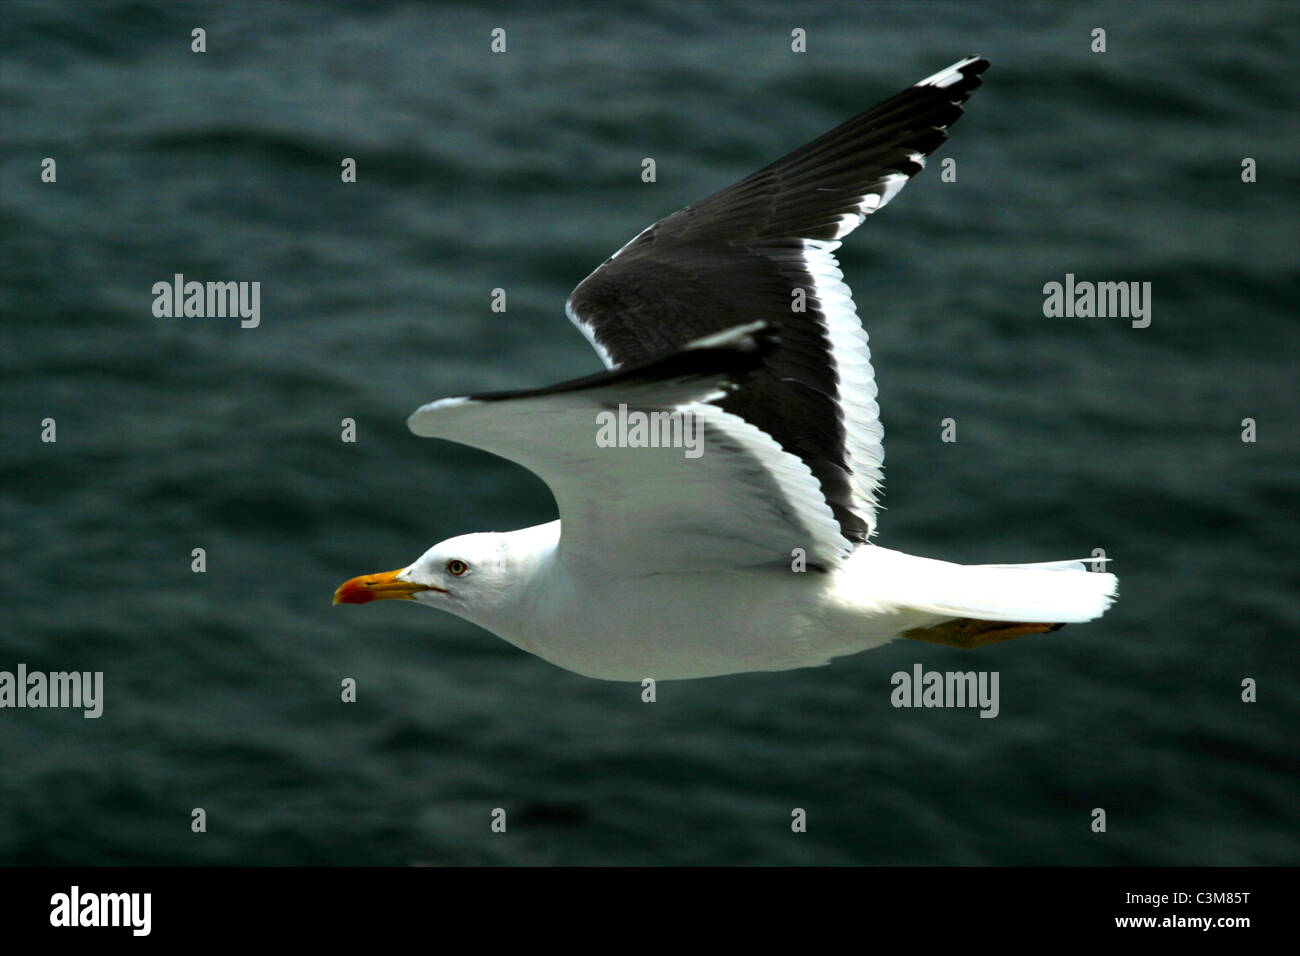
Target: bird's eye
[457, 567]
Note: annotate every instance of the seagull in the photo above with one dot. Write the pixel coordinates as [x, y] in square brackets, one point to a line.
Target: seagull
[717, 484]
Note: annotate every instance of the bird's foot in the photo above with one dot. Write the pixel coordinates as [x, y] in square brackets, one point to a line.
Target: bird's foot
[967, 633]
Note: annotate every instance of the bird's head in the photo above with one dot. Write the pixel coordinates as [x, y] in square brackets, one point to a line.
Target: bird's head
[461, 575]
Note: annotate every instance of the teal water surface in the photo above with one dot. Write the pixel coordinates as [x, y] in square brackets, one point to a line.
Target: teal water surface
[522, 171]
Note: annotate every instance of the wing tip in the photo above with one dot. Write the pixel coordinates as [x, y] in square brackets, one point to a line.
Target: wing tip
[419, 421]
[964, 75]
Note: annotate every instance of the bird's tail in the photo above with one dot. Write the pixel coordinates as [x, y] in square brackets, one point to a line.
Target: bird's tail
[986, 603]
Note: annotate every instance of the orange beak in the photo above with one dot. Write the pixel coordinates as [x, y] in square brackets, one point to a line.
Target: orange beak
[378, 587]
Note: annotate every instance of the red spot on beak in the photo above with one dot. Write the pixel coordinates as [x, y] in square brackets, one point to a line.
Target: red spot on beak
[353, 592]
[377, 587]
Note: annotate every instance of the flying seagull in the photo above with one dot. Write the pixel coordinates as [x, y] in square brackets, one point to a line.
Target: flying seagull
[741, 541]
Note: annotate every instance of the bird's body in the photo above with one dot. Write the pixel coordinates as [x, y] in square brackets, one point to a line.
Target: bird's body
[758, 619]
[765, 618]
[749, 548]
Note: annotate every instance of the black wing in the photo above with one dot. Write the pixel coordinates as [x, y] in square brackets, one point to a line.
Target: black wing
[748, 252]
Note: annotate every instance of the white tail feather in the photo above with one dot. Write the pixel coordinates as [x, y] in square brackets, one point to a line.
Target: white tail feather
[1057, 592]
[1070, 564]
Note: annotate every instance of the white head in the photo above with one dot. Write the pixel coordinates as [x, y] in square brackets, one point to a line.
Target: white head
[478, 577]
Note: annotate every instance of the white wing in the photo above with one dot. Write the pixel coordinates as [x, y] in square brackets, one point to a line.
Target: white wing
[741, 502]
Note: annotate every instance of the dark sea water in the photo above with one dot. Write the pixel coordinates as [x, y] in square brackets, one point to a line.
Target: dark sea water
[522, 171]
